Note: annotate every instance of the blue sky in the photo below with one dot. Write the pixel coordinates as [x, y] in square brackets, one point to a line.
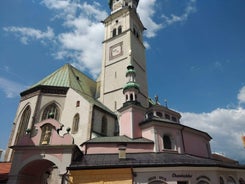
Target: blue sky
[195, 57]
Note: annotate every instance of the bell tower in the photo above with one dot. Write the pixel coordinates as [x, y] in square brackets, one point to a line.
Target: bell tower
[122, 46]
[118, 4]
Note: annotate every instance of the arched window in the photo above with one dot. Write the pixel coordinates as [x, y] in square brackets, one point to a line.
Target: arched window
[159, 114]
[167, 142]
[51, 111]
[221, 180]
[75, 125]
[202, 182]
[24, 121]
[241, 181]
[167, 116]
[119, 29]
[231, 180]
[104, 126]
[131, 97]
[114, 32]
[157, 182]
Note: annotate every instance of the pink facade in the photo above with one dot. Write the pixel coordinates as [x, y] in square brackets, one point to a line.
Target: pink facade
[129, 122]
[165, 134]
[54, 137]
[40, 151]
[113, 148]
[196, 144]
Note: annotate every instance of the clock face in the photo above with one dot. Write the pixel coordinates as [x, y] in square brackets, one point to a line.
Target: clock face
[116, 50]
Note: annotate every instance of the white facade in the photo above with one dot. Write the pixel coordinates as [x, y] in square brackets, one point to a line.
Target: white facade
[122, 46]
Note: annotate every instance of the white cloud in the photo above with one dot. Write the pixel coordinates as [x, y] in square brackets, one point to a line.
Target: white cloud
[84, 36]
[148, 9]
[241, 95]
[58, 5]
[226, 126]
[11, 88]
[146, 12]
[173, 19]
[28, 34]
[83, 32]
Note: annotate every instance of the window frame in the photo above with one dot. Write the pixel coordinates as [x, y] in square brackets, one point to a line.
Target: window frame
[75, 123]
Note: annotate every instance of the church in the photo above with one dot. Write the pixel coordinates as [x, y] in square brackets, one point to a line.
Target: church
[71, 129]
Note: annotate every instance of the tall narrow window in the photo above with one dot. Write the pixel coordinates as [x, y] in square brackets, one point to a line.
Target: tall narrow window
[230, 180]
[104, 126]
[131, 97]
[114, 32]
[51, 111]
[115, 105]
[75, 125]
[24, 121]
[167, 142]
[221, 180]
[119, 29]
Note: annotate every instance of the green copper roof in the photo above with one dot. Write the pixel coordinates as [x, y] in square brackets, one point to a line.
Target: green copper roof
[131, 85]
[69, 76]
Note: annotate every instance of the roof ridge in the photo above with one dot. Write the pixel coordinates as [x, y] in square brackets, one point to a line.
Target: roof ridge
[77, 79]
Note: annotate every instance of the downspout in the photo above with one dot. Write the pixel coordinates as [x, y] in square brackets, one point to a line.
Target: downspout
[90, 123]
[182, 137]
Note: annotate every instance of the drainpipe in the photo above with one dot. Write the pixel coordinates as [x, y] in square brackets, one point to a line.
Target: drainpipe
[182, 137]
[90, 122]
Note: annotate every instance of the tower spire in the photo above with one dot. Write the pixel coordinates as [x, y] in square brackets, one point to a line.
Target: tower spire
[131, 89]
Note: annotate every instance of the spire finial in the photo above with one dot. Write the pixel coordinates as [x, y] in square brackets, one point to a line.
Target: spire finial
[156, 99]
[166, 102]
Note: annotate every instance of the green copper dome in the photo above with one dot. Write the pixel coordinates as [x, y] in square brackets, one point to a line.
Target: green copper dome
[131, 85]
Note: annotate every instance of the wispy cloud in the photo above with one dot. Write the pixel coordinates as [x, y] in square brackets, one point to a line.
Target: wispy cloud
[27, 34]
[11, 88]
[84, 33]
[173, 18]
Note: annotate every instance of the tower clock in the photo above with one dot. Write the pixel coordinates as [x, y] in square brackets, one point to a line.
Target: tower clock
[123, 34]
